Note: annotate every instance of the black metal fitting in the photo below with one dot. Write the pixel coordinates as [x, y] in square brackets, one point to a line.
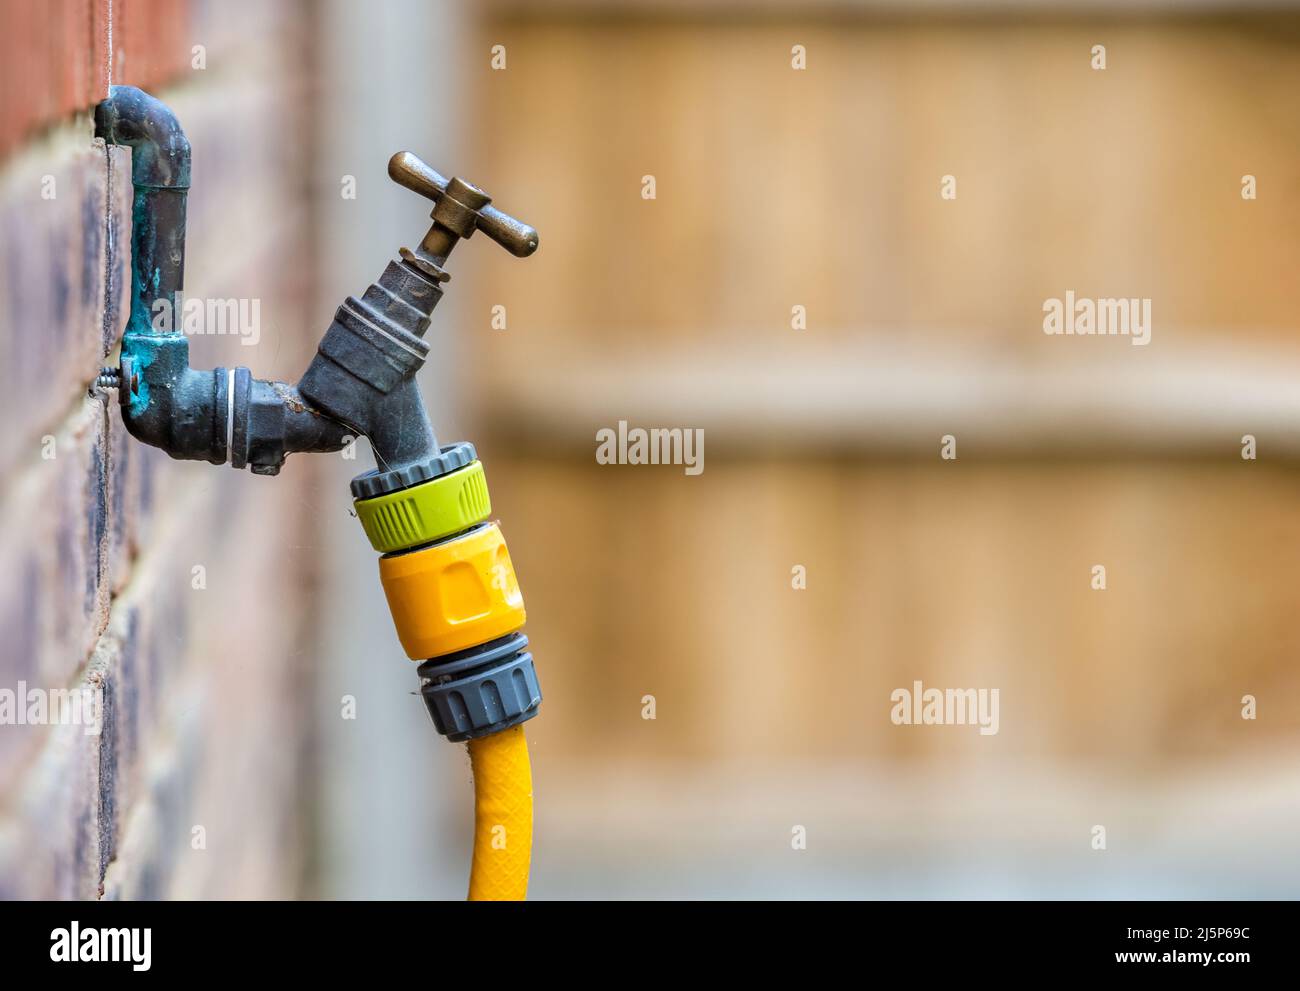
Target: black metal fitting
[361, 381]
[364, 370]
[217, 415]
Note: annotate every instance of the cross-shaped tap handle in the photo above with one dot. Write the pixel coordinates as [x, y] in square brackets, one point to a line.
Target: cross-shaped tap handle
[459, 209]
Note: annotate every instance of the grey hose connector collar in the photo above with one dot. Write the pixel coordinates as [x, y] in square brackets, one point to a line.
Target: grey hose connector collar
[376, 482]
[482, 690]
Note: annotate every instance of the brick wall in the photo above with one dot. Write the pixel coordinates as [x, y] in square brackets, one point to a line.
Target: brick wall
[193, 787]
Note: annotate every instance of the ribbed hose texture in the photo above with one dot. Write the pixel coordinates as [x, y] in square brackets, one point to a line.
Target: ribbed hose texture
[503, 816]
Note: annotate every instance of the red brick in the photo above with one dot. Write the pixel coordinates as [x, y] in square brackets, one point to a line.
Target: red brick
[102, 540]
[52, 274]
[57, 514]
[150, 41]
[55, 59]
[51, 847]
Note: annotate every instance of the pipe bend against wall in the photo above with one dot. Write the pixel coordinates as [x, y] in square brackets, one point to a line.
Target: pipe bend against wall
[215, 416]
[160, 152]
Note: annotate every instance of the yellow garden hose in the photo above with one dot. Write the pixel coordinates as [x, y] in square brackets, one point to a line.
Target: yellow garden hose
[456, 604]
[503, 816]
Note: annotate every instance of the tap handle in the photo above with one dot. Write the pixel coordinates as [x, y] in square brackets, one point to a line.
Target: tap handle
[461, 206]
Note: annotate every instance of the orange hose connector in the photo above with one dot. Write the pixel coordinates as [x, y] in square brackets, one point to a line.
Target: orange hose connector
[452, 595]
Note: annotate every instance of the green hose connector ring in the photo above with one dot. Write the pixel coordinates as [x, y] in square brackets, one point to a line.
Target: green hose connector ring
[426, 512]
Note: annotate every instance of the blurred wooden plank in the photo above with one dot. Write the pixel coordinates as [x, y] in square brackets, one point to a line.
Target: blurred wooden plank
[821, 188]
[1221, 828]
[551, 9]
[961, 575]
[892, 396]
